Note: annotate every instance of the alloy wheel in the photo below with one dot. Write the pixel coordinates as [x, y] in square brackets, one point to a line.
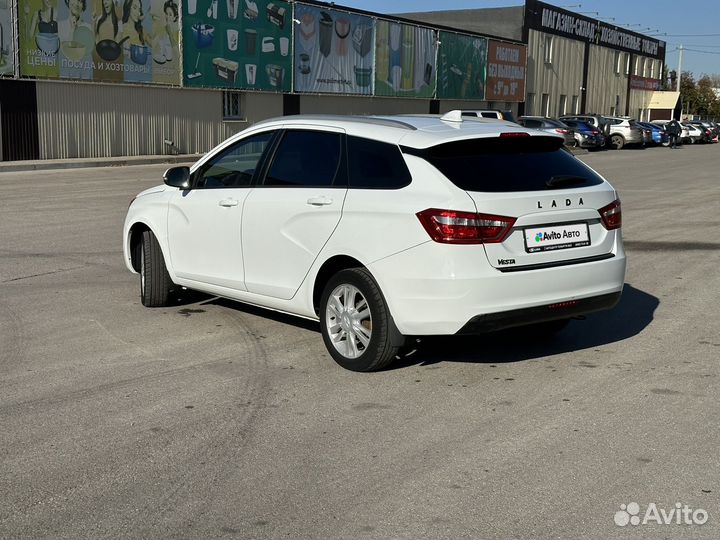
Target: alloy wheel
[348, 320]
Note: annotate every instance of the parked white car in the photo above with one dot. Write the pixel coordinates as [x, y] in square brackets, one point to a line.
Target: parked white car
[385, 227]
[684, 133]
[694, 134]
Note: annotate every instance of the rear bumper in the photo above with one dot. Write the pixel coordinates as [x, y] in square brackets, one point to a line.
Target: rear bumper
[440, 289]
[563, 310]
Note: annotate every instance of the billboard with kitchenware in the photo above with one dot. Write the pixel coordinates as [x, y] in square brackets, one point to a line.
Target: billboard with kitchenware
[462, 63]
[100, 40]
[237, 44]
[506, 63]
[333, 51]
[7, 39]
[405, 60]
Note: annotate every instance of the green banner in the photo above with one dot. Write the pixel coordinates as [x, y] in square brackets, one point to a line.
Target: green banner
[462, 66]
[237, 44]
[100, 40]
[7, 39]
[333, 51]
[405, 60]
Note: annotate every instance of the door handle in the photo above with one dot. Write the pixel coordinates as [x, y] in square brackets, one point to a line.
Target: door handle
[228, 202]
[319, 201]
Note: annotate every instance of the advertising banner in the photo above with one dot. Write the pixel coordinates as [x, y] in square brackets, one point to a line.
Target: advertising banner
[7, 39]
[561, 22]
[644, 83]
[506, 64]
[333, 51]
[462, 62]
[100, 40]
[405, 60]
[238, 44]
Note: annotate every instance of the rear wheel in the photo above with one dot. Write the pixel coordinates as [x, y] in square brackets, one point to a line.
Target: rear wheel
[617, 142]
[155, 283]
[355, 322]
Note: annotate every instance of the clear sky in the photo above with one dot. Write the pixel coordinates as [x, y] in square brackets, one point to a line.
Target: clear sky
[693, 23]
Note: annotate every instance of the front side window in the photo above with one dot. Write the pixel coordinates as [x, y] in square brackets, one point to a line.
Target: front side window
[377, 165]
[306, 159]
[234, 166]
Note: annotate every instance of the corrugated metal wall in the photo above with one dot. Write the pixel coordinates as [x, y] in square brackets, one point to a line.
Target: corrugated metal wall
[604, 84]
[81, 120]
[563, 76]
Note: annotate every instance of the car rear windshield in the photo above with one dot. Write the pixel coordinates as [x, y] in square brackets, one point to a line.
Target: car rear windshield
[506, 164]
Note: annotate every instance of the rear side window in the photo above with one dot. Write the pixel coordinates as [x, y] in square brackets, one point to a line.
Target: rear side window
[306, 159]
[531, 123]
[376, 165]
[508, 164]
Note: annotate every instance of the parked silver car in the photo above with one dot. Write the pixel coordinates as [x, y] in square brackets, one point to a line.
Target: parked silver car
[549, 125]
[624, 131]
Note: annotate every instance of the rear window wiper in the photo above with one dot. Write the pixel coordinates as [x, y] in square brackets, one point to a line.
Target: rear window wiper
[565, 180]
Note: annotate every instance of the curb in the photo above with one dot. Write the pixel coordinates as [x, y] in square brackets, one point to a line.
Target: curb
[81, 163]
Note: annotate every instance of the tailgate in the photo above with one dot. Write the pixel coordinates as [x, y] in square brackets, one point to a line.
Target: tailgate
[556, 227]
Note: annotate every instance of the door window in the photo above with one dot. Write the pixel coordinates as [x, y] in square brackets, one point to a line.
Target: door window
[306, 159]
[235, 166]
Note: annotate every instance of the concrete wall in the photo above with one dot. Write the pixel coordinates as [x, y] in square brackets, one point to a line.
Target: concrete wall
[562, 76]
[501, 22]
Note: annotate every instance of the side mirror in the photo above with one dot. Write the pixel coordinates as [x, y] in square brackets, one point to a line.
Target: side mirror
[178, 177]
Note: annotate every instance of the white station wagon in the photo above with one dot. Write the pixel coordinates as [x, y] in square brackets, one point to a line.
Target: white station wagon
[383, 228]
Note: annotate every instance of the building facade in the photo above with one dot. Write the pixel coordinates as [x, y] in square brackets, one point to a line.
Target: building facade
[194, 72]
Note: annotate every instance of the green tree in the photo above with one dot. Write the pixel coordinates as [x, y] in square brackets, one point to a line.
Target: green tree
[688, 92]
[705, 96]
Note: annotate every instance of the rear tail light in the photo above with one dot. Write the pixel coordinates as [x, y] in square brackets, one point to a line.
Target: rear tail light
[611, 215]
[453, 227]
[563, 131]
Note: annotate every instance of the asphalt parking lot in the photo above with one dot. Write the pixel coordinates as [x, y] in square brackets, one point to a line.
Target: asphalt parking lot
[216, 420]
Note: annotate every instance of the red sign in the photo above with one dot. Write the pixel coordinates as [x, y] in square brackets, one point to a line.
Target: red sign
[506, 63]
[644, 83]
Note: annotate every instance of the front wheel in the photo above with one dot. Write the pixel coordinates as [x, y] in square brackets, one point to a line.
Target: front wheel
[355, 322]
[155, 283]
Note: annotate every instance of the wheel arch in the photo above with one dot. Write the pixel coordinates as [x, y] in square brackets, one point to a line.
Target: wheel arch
[337, 263]
[134, 241]
[328, 269]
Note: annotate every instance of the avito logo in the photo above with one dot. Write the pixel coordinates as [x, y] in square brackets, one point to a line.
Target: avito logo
[552, 235]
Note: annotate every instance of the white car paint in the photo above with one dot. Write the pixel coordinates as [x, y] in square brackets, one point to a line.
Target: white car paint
[274, 242]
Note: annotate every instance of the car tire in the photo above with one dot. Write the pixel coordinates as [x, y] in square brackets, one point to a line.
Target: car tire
[357, 339]
[617, 142]
[156, 287]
